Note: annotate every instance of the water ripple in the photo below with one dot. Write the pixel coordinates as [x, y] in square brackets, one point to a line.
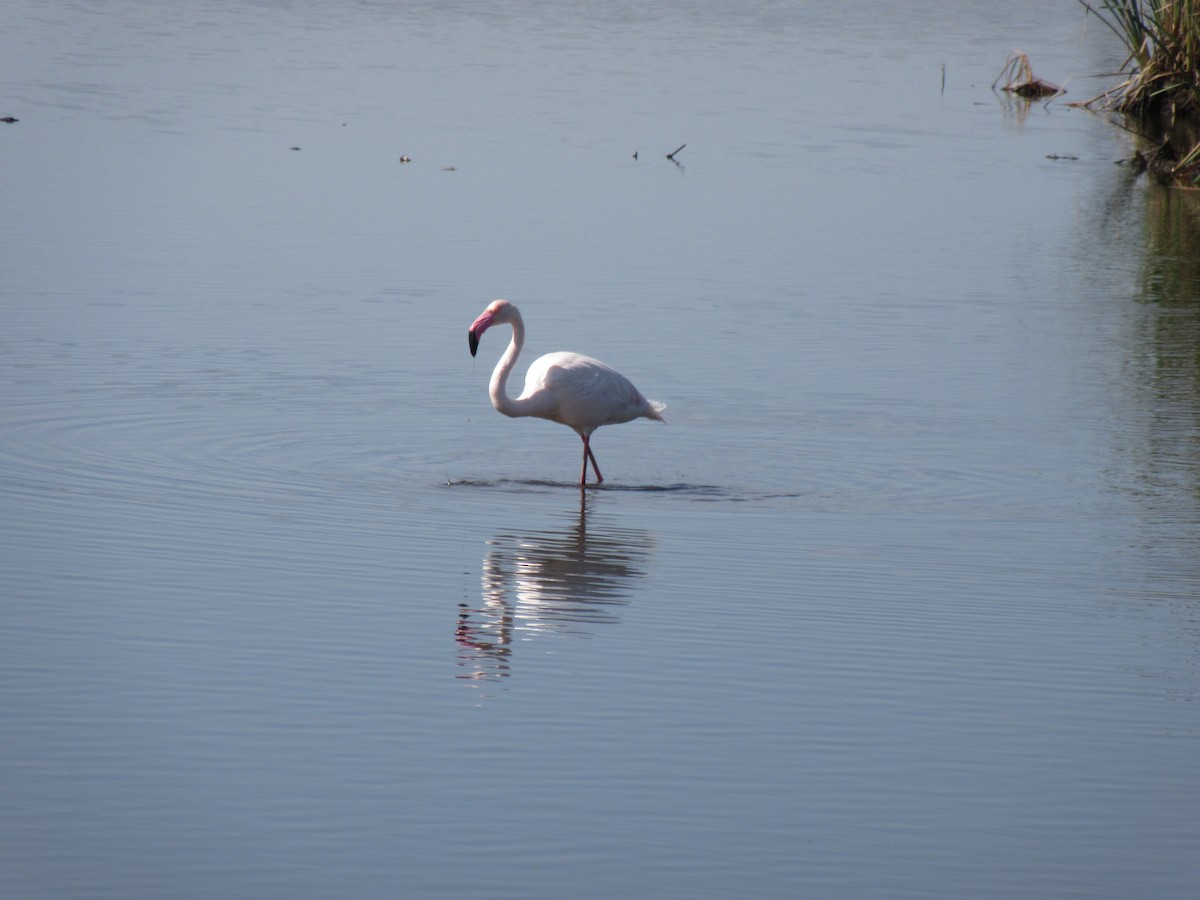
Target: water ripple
[539, 485]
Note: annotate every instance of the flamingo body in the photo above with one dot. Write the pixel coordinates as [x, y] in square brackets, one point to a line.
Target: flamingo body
[574, 390]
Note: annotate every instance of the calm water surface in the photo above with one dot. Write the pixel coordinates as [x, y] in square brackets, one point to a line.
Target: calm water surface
[902, 601]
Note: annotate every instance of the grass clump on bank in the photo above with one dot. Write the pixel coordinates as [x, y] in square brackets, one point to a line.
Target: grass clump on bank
[1162, 90]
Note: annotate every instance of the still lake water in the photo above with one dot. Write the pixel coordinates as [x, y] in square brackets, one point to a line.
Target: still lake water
[902, 601]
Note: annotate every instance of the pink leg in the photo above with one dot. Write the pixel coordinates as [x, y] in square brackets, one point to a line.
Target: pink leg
[588, 454]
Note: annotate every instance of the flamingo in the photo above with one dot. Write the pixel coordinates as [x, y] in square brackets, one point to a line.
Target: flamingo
[574, 390]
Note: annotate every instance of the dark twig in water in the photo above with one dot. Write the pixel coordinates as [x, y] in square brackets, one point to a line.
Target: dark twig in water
[671, 155]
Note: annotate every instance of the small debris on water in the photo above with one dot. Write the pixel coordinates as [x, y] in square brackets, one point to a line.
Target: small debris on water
[10, 120]
[1021, 80]
[1057, 156]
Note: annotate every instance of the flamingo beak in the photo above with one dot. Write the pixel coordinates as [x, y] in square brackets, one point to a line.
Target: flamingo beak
[478, 327]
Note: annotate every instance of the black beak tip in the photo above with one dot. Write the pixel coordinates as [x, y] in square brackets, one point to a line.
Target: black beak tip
[472, 341]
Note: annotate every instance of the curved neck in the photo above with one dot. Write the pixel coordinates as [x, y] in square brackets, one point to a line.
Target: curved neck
[497, 390]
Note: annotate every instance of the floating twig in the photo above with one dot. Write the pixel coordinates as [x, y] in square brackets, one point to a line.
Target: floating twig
[671, 155]
[1021, 80]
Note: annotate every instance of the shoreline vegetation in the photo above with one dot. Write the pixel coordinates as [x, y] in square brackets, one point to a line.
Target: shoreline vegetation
[1160, 93]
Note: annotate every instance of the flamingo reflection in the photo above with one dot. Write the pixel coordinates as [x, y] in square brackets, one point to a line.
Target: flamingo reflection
[557, 581]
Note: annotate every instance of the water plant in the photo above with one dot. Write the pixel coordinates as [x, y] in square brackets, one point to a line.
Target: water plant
[1019, 79]
[1161, 89]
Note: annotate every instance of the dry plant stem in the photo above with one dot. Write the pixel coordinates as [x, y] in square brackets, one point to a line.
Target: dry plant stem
[1020, 80]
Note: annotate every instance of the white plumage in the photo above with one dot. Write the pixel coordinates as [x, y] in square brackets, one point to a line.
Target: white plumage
[575, 390]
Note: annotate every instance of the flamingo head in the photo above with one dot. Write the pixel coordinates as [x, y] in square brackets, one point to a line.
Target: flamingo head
[497, 312]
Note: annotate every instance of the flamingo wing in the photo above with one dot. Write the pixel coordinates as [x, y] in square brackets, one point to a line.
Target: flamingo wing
[583, 393]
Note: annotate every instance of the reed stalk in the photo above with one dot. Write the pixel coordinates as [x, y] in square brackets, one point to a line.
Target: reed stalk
[1162, 85]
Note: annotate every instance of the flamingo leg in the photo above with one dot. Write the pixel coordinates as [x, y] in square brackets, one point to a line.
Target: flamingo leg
[588, 454]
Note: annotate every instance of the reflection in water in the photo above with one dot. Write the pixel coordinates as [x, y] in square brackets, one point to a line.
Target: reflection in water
[1016, 107]
[1158, 433]
[547, 581]
[1171, 269]
[1170, 284]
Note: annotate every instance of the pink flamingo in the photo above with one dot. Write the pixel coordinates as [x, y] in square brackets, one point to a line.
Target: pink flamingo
[577, 391]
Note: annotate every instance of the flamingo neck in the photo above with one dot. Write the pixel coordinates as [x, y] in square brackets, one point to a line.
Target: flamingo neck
[498, 389]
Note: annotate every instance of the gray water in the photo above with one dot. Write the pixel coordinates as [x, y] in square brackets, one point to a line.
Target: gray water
[903, 599]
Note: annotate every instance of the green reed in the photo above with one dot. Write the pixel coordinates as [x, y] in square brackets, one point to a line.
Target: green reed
[1162, 78]
[1163, 41]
